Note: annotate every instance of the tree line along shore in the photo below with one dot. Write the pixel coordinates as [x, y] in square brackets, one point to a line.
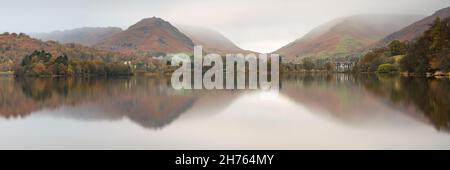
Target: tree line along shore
[428, 55]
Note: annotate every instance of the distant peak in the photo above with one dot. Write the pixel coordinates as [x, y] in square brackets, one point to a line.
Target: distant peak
[153, 21]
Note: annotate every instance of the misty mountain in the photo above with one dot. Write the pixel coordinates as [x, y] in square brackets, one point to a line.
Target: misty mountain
[211, 40]
[151, 35]
[416, 29]
[88, 36]
[343, 36]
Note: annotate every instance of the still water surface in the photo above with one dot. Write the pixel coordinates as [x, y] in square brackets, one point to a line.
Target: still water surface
[337, 111]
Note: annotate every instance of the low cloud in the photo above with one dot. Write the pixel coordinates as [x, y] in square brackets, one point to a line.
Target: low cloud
[260, 25]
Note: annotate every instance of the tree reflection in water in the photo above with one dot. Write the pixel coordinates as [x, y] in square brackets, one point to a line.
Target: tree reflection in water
[153, 103]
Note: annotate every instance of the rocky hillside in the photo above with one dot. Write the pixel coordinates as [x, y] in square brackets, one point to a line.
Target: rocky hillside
[148, 36]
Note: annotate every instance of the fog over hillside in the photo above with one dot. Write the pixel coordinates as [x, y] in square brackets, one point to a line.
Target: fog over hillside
[343, 36]
[86, 36]
[211, 40]
[259, 25]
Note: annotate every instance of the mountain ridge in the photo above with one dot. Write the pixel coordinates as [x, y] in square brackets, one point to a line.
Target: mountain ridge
[150, 35]
[87, 36]
[415, 29]
[211, 40]
[343, 36]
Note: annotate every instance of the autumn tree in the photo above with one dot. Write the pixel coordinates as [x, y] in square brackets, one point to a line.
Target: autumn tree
[397, 48]
[430, 52]
[308, 63]
[40, 63]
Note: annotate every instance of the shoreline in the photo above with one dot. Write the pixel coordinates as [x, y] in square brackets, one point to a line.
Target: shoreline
[7, 74]
[404, 74]
[437, 74]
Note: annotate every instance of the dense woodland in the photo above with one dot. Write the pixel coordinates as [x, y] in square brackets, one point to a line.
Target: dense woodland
[383, 60]
[429, 53]
[41, 63]
[25, 56]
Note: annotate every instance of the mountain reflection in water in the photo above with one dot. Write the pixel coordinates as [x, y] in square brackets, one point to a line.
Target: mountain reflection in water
[354, 101]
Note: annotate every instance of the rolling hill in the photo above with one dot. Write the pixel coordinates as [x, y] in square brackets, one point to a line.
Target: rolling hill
[211, 40]
[14, 47]
[103, 37]
[87, 36]
[343, 36]
[148, 36]
[416, 29]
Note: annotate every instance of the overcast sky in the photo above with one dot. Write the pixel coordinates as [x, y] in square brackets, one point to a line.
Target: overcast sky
[260, 25]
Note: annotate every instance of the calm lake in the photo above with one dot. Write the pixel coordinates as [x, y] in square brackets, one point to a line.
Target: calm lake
[336, 111]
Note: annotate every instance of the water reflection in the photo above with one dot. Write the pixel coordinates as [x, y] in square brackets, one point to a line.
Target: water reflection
[337, 105]
[430, 97]
[361, 98]
[148, 102]
[152, 103]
